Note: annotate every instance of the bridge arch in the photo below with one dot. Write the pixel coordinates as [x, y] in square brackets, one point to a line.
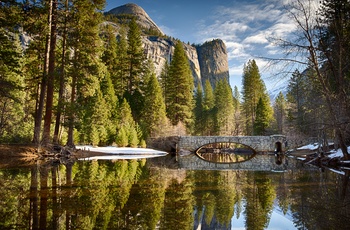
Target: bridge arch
[190, 144]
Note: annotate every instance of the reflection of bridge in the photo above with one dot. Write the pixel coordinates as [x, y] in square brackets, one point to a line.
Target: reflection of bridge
[190, 144]
[261, 162]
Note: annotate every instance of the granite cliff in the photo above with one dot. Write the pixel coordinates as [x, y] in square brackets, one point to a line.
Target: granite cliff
[207, 61]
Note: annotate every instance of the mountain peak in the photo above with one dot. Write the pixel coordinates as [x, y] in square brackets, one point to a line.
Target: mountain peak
[142, 18]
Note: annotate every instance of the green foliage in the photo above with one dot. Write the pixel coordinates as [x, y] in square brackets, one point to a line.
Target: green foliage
[179, 89]
[198, 111]
[253, 89]
[262, 120]
[280, 109]
[224, 108]
[122, 138]
[132, 137]
[153, 115]
[208, 109]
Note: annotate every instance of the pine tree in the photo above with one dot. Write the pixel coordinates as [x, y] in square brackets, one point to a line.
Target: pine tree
[199, 112]
[208, 109]
[253, 89]
[137, 69]
[179, 91]
[224, 108]
[163, 78]
[120, 76]
[261, 121]
[154, 115]
[297, 98]
[237, 113]
[85, 70]
[279, 112]
[135, 57]
[13, 120]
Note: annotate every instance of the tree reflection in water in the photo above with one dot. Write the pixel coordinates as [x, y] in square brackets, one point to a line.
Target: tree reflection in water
[141, 194]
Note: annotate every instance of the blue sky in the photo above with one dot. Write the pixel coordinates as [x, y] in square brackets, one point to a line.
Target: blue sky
[244, 26]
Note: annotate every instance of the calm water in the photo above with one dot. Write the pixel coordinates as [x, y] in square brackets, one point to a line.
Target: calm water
[154, 194]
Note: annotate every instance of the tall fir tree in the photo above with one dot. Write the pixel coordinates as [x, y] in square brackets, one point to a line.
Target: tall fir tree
[237, 112]
[85, 64]
[253, 89]
[14, 122]
[224, 108]
[261, 121]
[136, 71]
[119, 78]
[154, 118]
[208, 109]
[179, 91]
[297, 98]
[280, 112]
[199, 111]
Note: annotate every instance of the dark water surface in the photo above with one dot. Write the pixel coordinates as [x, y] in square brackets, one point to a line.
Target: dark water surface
[154, 193]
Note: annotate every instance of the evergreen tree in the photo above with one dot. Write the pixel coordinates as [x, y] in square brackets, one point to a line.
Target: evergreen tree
[122, 138]
[297, 98]
[261, 121]
[253, 89]
[237, 112]
[163, 78]
[120, 76]
[154, 115]
[137, 69]
[208, 109]
[85, 69]
[179, 91]
[279, 112]
[135, 57]
[13, 120]
[224, 110]
[198, 111]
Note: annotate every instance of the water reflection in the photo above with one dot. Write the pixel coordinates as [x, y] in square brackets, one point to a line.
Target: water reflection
[144, 194]
[226, 152]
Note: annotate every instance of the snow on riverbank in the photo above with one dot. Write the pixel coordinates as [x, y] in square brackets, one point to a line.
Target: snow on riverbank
[117, 150]
[115, 153]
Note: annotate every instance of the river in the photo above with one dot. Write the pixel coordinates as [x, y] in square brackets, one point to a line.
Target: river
[155, 193]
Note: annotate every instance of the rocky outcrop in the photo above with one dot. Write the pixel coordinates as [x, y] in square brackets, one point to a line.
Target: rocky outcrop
[207, 61]
[161, 49]
[142, 18]
[212, 57]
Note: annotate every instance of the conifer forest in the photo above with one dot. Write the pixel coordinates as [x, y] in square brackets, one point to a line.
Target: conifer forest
[68, 78]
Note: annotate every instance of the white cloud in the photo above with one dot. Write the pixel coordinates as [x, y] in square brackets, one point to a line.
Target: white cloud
[257, 39]
[246, 30]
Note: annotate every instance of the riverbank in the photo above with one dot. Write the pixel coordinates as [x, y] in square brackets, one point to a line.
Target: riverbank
[310, 154]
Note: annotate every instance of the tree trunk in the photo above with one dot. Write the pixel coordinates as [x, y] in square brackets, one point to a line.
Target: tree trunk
[43, 85]
[70, 141]
[62, 77]
[51, 74]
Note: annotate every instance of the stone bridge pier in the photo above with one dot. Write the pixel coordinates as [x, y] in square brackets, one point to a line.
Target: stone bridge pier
[190, 144]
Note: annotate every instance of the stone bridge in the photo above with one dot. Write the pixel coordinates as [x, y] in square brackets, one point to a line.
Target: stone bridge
[190, 144]
[186, 147]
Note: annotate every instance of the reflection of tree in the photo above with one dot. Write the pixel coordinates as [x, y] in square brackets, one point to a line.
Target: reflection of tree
[178, 205]
[259, 196]
[320, 200]
[129, 194]
[216, 194]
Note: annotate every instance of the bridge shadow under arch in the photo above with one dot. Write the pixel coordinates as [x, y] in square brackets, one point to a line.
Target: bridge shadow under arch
[225, 152]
